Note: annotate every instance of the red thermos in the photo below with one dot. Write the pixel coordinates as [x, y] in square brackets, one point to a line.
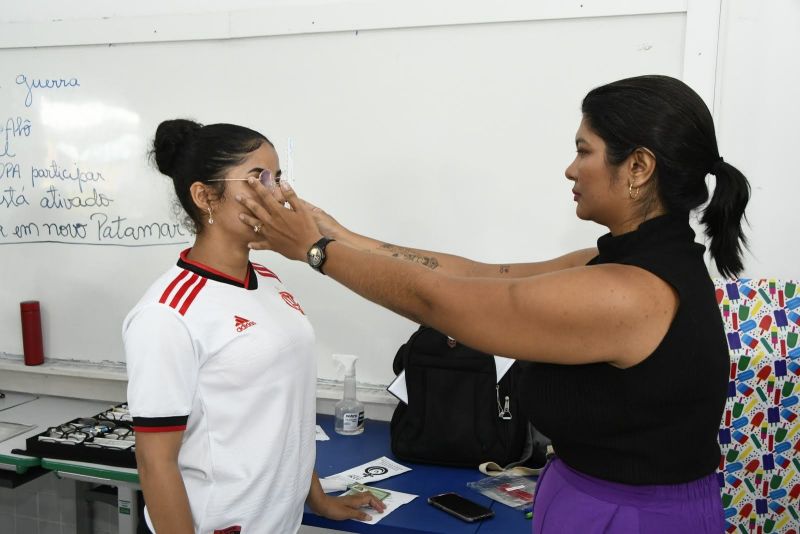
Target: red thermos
[32, 345]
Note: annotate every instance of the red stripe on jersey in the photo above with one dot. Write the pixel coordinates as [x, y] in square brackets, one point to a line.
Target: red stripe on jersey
[192, 295]
[159, 428]
[172, 285]
[179, 295]
[263, 271]
[206, 268]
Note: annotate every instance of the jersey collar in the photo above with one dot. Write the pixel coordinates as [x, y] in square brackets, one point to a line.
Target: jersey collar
[250, 281]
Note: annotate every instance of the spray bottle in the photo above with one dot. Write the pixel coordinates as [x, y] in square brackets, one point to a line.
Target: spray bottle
[349, 412]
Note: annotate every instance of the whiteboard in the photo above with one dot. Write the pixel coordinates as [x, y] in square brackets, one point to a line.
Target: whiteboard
[451, 138]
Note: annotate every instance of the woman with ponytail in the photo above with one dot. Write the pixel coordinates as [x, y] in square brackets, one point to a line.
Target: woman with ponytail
[629, 369]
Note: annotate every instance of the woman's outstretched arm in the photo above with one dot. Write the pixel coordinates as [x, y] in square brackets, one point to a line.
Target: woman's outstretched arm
[439, 261]
[604, 313]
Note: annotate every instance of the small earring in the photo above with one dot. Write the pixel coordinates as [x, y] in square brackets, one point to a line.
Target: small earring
[210, 217]
[631, 194]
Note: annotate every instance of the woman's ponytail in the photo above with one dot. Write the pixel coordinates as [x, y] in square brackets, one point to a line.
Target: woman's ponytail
[723, 218]
[668, 118]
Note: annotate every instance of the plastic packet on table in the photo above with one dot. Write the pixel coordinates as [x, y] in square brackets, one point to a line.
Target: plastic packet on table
[513, 491]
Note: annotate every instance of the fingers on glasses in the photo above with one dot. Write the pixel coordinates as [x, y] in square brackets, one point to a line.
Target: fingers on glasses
[291, 197]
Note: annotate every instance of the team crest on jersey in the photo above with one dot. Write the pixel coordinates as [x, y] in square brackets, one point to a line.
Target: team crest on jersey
[242, 324]
[288, 298]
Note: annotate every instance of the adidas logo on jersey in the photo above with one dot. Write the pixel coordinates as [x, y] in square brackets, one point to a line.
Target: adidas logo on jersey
[242, 324]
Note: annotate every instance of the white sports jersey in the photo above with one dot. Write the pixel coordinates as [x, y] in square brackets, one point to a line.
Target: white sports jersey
[230, 362]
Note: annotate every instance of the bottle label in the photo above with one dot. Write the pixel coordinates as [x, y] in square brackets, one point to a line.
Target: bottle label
[352, 421]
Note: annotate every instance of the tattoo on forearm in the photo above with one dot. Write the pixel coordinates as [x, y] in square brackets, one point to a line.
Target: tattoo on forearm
[411, 255]
[504, 269]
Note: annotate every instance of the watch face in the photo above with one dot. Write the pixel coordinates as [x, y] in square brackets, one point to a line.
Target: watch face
[315, 256]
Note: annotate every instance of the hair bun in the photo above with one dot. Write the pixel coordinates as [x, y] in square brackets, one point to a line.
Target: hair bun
[171, 141]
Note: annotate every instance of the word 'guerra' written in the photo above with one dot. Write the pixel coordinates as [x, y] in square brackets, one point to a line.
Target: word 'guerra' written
[102, 228]
[44, 83]
[13, 127]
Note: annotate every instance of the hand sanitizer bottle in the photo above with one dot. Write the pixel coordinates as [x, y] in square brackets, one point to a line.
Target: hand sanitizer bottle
[349, 412]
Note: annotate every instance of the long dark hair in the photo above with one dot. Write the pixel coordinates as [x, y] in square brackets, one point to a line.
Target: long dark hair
[189, 152]
[667, 117]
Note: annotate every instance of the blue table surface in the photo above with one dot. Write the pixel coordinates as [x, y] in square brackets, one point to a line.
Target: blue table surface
[344, 452]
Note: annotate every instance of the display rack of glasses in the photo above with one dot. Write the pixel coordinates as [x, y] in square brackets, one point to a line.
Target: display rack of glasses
[105, 438]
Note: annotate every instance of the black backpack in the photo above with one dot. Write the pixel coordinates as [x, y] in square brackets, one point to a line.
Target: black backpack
[457, 413]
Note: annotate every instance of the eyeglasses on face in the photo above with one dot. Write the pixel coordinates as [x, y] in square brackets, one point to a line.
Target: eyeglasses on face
[263, 177]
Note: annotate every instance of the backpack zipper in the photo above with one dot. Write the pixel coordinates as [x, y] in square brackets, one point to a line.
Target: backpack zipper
[503, 411]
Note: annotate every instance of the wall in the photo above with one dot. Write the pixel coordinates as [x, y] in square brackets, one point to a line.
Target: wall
[757, 112]
[451, 133]
[417, 186]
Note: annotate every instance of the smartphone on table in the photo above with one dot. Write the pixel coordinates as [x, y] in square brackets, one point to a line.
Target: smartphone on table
[462, 508]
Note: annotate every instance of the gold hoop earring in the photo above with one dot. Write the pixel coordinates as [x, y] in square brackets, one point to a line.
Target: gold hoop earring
[210, 217]
[631, 194]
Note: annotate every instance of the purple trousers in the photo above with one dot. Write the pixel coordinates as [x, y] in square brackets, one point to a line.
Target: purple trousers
[567, 501]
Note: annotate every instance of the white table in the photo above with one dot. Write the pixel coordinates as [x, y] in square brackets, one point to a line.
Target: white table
[45, 412]
[12, 399]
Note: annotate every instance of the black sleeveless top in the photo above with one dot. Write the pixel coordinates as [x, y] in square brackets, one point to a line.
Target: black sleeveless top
[656, 422]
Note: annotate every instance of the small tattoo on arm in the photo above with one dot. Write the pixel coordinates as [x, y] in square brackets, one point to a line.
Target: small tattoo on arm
[410, 255]
[504, 269]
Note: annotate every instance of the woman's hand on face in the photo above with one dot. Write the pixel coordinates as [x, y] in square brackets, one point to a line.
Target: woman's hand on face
[289, 231]
[327, 225]
[348, 507]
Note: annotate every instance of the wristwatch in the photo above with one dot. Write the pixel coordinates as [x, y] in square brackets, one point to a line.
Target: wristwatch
[316, 254]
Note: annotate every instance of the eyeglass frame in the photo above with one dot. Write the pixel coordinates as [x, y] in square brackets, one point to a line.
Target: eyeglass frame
[66, 436]
[261, 178]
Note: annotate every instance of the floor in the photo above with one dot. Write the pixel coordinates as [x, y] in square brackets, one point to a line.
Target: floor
[47, 506]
